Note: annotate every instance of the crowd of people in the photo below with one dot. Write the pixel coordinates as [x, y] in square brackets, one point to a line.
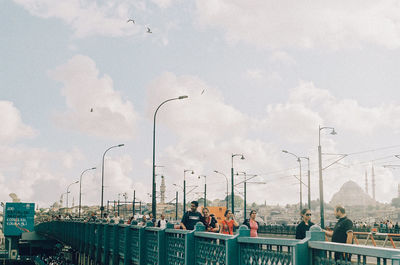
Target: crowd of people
[341, 233]
[192, 217]
[58, 259]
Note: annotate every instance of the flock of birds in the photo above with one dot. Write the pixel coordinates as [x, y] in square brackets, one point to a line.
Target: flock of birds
[148, 30]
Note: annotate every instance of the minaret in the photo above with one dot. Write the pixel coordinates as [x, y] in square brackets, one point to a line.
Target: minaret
[373, 183]
[162, 190]
[366, 182]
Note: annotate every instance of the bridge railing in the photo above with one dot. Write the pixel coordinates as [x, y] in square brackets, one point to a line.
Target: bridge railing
[112, 244]
[323, 252]
[179, 246]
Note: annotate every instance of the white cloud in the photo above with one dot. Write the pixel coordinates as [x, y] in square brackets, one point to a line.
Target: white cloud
[199, 111]
[36, 174]
[84, 90]
[255, 74]
[282, 58]
[164, 3]
[12, 127]
[308, 106]
[89, 18]
[275, 24]
[208, 131]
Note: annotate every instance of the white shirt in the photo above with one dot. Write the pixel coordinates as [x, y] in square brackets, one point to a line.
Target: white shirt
[163, 223]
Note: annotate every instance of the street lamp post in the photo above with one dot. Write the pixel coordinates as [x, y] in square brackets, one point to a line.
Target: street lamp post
[153, 200]
[68, 191]
[301, 184]
[205, 189]
[245, 194]
[245, 190]
[321, 184]
[80, 189]
[308, 180]
[102, 179]
[184, 187]
[232, 182]
[227, 188]
[176, 205]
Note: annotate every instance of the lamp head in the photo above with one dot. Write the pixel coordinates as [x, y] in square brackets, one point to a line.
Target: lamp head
[93, 168]
[333, 132]
[242, 157]
[285, 151]
[120, 145]
[76, 181]
[215, 171]
[192, 172]
[182, 97]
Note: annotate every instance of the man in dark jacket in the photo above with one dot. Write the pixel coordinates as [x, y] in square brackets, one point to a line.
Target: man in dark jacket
[192, 217]
[342, 232]
[304, 225]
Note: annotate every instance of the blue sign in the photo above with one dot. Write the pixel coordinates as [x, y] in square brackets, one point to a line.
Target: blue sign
[18, 218]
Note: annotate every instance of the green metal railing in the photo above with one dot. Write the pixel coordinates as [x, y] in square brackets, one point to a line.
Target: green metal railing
[119, 244]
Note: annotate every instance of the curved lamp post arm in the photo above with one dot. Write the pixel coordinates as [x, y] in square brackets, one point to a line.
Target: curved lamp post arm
[227, 187]
[68, 190]
[80, 189]
[154, 201]
[102, 178]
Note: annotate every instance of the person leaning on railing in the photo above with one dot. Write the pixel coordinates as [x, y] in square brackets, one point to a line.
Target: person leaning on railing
[209, 221]
[305, 224]
[252, 224]
[191, 218]
[342, 232]
[229, 223]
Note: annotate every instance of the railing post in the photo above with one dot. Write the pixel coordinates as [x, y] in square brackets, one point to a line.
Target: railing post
[127, 247]
[87, 238]
[106, 238]
[314, 234]
[234, 252]
[91, 242]
[115, 244]
[189, 249]
[100, 231]
[161, 247]
[396, 260]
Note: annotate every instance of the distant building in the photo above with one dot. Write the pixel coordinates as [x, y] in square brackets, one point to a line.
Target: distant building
[351, 194]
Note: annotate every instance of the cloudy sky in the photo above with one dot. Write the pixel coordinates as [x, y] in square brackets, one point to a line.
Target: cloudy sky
[261, 76]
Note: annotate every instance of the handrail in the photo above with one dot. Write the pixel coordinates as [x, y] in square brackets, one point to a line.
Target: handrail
[104, 243]
[354, 249]
[271, 241]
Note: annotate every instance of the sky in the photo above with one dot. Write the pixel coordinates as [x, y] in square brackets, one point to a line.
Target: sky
[261, 76]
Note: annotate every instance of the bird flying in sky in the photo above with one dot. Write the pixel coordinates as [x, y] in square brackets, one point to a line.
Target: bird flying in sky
[130, 20]
[148, 30]
[202, 92]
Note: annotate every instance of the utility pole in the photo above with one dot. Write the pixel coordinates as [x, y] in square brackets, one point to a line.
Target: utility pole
[321, 184]
[176, 206]
[134, 202]
[233, 181]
